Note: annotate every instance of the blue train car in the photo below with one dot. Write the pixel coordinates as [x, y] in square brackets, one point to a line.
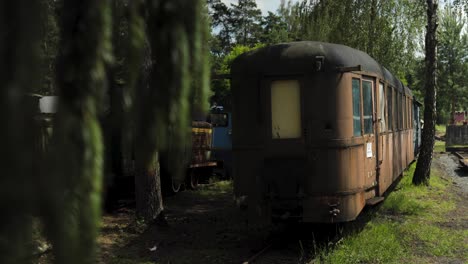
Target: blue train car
[221, 150]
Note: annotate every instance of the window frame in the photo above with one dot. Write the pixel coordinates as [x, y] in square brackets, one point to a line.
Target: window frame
[382, 106]
[412, 113]
[403, 103]
[389, 110]
[394, 110]
[361, 131]
[217, 124]
[265, 105]
[372, 105]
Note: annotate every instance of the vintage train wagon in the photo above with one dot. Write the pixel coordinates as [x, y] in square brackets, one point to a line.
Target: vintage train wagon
[196, 161]
[221, 150]
[319, 130]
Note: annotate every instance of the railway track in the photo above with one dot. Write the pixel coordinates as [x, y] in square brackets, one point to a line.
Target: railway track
[275, 254]
[463, 156]
[297, 244]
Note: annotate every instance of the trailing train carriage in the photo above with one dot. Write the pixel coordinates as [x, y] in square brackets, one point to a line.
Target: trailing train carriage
[119, 157]
[319, 130]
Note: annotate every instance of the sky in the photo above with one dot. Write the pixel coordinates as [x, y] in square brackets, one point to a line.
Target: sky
[264, 5]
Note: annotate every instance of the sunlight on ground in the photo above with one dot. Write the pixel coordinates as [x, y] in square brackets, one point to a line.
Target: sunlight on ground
[439, 146]
[441, 128]
[411, 227]
[215, 188]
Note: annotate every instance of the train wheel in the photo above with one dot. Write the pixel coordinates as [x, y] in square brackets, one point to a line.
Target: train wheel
[175, 188]
[193, 179]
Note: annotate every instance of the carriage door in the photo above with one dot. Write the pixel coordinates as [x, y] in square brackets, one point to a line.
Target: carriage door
[284, 149]
[369, 130]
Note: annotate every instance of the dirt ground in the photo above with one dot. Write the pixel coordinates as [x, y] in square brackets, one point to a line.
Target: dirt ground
[205, 226]
[451, 170]
[449, 164]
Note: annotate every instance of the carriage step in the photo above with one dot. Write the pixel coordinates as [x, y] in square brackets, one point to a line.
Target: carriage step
[375, 200]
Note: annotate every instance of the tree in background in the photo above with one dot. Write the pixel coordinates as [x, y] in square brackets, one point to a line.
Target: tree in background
[452, 64]
[222, 87]
[177, 87]
[246, 17]
[463, 4]
[49, 28]
[290, 14]
[274, 29]
[221, 21]
[386, 30]
[423, 167]
[238, 27]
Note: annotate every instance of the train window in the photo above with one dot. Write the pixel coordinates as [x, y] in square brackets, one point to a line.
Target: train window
[408, 105]
[406, 112]
[409, 111]
[367, 106]
[402, 112]
[389, 108]
[356, 108]
[400, 106]
[410, 114]
[403, 104]
[285, 109]
[398, 109]
[395, 107]
[218, 119]
[382, 108]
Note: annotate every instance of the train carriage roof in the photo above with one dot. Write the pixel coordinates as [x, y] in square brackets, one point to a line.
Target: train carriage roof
[300, 57]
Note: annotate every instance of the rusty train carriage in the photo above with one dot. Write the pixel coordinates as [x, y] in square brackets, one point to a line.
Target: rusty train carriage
[319, 130]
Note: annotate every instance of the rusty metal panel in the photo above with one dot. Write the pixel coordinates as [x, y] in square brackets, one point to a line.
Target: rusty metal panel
[201, 142]
[332, 209]
[457, 136]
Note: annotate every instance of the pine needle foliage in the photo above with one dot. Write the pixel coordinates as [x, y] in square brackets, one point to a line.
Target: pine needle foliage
[73, 207]
[178, 87]
[19, 54]
[165, 47]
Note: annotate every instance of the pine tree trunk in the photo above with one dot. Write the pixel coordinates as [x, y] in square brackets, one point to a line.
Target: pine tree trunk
[168, 93]
[148, 194]
[423, 167]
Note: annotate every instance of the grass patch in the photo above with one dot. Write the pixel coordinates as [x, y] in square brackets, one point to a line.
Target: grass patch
[216, 188]
[439, 146]
[441, 129]
[408, 228]
[454, 147]
[120, 260]
[428, 202]
[377, 243]
[428, 238]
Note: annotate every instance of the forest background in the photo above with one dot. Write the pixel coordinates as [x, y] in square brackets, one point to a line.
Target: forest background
[392, 32]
